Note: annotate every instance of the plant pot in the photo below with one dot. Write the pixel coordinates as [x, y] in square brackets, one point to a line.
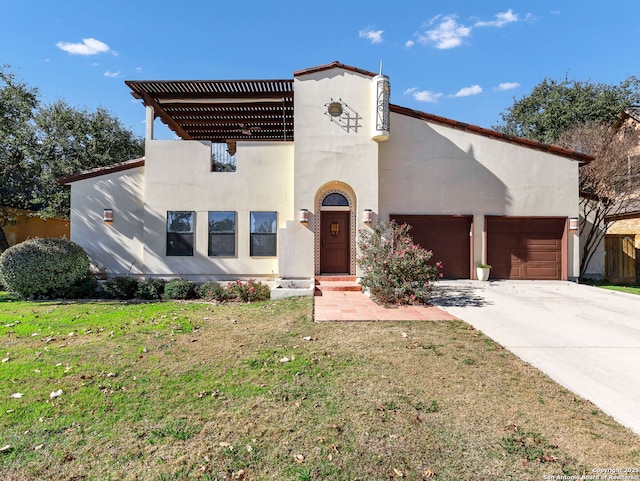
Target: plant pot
[483, 273]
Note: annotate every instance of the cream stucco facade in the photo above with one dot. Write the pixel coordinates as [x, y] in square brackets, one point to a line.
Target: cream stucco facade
[428, 167]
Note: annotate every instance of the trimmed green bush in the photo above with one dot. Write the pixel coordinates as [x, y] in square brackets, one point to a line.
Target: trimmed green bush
[47, 269]
[120, 288]
[151, 289]
[212, 291]
[180, 289]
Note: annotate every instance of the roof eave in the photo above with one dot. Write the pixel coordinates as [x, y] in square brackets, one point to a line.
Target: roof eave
[554, 149]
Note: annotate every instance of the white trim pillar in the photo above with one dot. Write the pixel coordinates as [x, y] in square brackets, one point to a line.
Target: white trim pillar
[149, 123]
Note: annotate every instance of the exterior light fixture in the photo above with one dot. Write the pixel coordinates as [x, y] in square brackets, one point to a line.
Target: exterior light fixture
[304, 216]
[107, 215]
[574, 223]
[368, 216]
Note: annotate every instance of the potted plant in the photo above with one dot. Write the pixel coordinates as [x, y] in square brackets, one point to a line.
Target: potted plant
[482, 271]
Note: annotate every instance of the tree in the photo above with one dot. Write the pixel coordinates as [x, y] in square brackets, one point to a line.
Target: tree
[39, 143]
[18, 103]
[554, 107]
[609, 183]
[71, 140]
[585, 116]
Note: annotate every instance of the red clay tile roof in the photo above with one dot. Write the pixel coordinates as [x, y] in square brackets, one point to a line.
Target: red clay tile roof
[331, 65]
[98, 171]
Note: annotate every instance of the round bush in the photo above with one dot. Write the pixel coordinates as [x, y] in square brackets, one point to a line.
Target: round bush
[120, 288]
[212, 291]
[47, 269]
[151, 289]
[180, 289]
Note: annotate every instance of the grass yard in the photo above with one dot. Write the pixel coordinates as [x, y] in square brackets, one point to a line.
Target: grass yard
[177, 391]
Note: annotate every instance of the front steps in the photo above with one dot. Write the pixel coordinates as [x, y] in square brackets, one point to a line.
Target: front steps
[342, 283]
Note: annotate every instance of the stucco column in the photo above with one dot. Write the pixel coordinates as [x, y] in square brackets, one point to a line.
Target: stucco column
[149, 123]
[479, 242]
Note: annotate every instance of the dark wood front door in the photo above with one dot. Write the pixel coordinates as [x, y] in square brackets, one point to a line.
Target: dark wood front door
[335, 242]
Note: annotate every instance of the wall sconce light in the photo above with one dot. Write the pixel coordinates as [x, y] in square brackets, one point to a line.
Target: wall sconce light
[574, 223]
[304, 216]
[107, 215]
[368, 216]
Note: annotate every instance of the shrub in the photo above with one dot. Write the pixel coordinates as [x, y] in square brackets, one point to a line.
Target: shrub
[47, 269]
[151, 289]
[120, 288]
[251, 291]
[212, 291]
[180, 289]
[395, 270]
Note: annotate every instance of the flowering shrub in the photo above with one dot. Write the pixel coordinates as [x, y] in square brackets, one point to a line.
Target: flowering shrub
[395, 270]
[251, 291]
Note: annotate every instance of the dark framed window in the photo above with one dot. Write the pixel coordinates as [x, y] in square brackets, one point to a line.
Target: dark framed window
[222, 233]
[180, 229]
[264, 234]
[335, 200]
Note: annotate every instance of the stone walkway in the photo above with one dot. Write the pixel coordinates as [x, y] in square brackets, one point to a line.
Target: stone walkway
[338, 300]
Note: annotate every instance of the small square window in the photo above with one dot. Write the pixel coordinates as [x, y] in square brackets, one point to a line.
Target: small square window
[180, 229]
[264, 227]
[222, 233]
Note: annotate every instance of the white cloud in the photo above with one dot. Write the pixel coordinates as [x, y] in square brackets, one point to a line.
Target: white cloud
[409, 43]
[468, 91]
[508, 86]
[447, 34]
[501, 20]
[423, 95]
[88, 46]
[138, 69]
[375, 36]
[111, 74]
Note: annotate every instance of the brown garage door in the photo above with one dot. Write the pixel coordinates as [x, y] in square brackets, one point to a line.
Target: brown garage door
[525, 248]
[448, 238]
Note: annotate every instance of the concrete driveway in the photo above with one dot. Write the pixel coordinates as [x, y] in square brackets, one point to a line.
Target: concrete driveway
[585, 338]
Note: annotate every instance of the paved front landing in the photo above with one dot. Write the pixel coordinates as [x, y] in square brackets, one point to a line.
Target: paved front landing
[355, 306]
[585, 338]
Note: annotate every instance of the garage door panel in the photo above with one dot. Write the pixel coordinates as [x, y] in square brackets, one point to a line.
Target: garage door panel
[525, 248]
[447, 237]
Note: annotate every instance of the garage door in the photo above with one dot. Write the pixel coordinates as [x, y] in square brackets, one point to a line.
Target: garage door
[525, 248]
[448, 238]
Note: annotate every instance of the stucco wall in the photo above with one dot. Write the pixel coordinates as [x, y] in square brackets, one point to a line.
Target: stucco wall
[27, 226]
[332, 153]
[430, 169]
[179, 177]
[117, 245]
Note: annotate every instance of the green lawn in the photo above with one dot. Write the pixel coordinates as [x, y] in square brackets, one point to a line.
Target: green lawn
[177, 391]
[632, 289]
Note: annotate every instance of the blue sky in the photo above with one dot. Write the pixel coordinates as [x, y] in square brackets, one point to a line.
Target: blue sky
[465, 60]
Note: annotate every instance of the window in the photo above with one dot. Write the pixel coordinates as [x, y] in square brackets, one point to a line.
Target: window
[335, 200]
[180, 228]
[222, 233]
[263, 233]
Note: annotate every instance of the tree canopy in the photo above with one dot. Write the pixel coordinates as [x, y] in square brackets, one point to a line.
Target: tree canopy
[553, 107]
[41, 142]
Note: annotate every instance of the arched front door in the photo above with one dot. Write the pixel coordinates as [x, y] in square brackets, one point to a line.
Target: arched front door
[335, 235]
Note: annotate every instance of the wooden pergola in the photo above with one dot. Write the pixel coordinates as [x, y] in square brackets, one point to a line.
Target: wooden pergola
[221, 111]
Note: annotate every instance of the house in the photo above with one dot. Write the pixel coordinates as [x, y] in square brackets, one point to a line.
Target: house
[616, 224]
[318, 157]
